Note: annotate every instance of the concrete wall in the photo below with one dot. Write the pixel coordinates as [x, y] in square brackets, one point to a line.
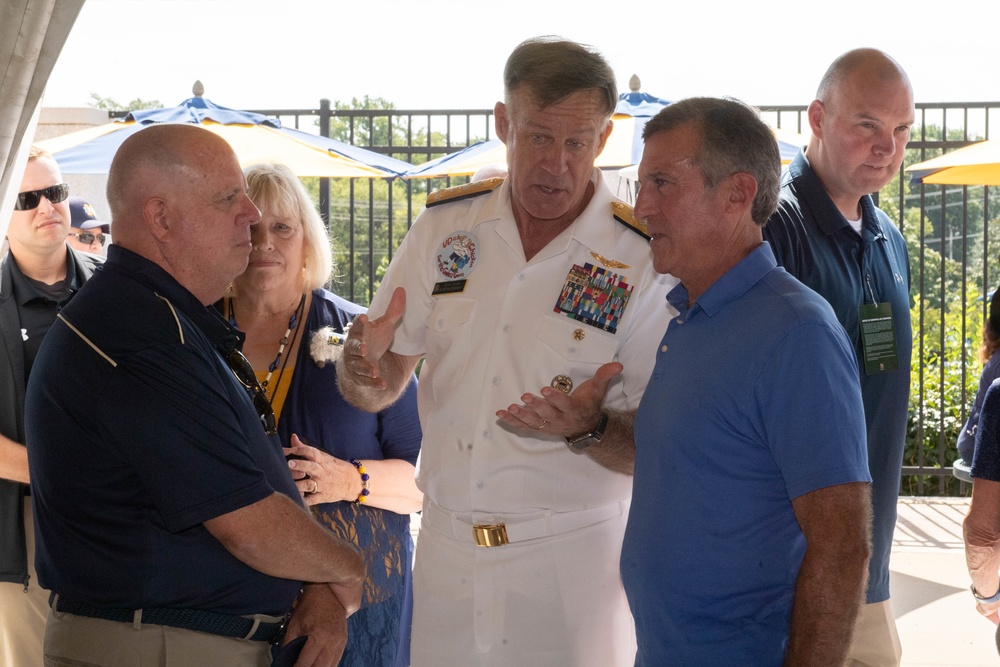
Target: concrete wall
[56, 121]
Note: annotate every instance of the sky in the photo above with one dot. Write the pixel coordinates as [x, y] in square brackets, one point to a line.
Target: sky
[437, 54]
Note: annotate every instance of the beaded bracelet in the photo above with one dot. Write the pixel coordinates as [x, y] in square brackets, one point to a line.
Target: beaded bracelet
[365, 483]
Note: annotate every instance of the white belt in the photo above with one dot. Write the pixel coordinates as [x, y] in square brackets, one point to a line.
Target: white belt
[498, 533]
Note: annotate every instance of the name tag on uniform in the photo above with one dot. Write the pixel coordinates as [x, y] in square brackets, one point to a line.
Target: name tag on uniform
[878, 338]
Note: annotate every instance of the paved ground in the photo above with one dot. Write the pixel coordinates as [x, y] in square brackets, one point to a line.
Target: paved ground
[937, 621]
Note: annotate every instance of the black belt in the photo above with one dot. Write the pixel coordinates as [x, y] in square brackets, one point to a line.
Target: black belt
[223, 625]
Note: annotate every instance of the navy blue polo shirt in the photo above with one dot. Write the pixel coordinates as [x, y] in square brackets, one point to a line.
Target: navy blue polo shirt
[817, 245]
[138, 433]
[986, 459]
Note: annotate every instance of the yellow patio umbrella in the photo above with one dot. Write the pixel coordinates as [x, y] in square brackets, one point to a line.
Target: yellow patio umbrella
[254, 138]
[976, 164]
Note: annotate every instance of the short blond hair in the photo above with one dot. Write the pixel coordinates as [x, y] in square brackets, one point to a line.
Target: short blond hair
[273, 187]
[36, 152]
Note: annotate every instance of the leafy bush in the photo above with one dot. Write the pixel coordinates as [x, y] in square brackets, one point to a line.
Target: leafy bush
[943, 382]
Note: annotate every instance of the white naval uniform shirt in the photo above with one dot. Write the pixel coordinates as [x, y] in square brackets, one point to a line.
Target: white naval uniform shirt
[500, 338]
[485, 346]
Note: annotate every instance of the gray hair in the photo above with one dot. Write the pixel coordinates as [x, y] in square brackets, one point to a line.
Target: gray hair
[552, 69]
[733, 139]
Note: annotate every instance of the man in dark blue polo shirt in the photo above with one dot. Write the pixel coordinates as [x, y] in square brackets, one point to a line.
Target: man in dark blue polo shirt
[167, 529]
[828, 233]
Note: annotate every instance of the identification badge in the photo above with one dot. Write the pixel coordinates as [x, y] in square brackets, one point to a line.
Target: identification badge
[878, 338]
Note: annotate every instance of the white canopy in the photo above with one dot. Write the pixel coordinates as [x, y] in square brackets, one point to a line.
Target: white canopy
[32, 34]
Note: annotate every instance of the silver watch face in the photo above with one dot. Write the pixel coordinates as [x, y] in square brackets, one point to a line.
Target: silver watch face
[585, 441]
[591, 438]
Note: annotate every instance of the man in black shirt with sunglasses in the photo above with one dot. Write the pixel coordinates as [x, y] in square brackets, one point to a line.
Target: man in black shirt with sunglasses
[37, 277]
[170, 530]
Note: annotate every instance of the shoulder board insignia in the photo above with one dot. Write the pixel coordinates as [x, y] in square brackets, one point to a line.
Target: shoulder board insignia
[623, 214]
[460, 192]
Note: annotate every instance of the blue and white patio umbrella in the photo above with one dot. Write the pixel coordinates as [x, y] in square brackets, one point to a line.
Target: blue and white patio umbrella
[255, 138]
[617, 153]
[642, 107]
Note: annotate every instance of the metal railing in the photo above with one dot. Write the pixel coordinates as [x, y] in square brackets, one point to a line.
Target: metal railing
[953, 258]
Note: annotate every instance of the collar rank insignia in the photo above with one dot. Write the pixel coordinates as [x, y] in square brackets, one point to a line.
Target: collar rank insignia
[622, 212]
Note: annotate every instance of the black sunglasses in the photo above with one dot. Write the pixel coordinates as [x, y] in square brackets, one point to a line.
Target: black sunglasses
[243, 371]
[87, 238]
[27, 201]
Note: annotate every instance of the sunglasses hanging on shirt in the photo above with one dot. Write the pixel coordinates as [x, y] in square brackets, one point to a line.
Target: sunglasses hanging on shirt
[243, 371]
[27, 201]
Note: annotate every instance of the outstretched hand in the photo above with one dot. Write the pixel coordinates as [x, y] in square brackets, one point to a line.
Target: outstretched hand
[556, 413]
[369, 339]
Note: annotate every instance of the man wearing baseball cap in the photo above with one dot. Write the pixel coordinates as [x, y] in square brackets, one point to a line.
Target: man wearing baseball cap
[88, 234]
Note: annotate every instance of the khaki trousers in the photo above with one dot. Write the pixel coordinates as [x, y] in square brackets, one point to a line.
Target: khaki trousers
[78, 641]
[875, 642]
[22, 614]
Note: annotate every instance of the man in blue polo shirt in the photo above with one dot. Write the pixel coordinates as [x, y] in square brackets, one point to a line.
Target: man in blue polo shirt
[828, 233]
[748, 538]
[169, 528]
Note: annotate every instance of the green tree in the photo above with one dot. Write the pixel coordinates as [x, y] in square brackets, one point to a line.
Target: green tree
[360, 234]
[373, 131]
[374, 214]
[110, 104]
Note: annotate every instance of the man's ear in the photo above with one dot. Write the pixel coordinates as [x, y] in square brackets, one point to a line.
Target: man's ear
[816, 113]
[742, 190]
[500, 121]
[154, 214]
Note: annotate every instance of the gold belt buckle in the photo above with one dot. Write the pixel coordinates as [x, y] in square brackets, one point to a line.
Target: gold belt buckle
[490, 535]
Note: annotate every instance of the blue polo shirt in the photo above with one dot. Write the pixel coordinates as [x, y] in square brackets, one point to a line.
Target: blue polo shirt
[138, 433]
[817, 245]
[752, 403]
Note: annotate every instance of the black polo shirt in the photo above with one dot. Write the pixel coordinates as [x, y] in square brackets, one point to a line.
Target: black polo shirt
[38, 304]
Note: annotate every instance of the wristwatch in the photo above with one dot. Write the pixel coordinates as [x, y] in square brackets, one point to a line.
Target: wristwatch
[581, 442]
[994, 598]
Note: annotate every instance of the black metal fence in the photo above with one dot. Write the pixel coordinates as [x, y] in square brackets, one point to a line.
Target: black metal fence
[953, 257]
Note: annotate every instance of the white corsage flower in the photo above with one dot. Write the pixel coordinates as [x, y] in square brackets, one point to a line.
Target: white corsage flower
[326, 345]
